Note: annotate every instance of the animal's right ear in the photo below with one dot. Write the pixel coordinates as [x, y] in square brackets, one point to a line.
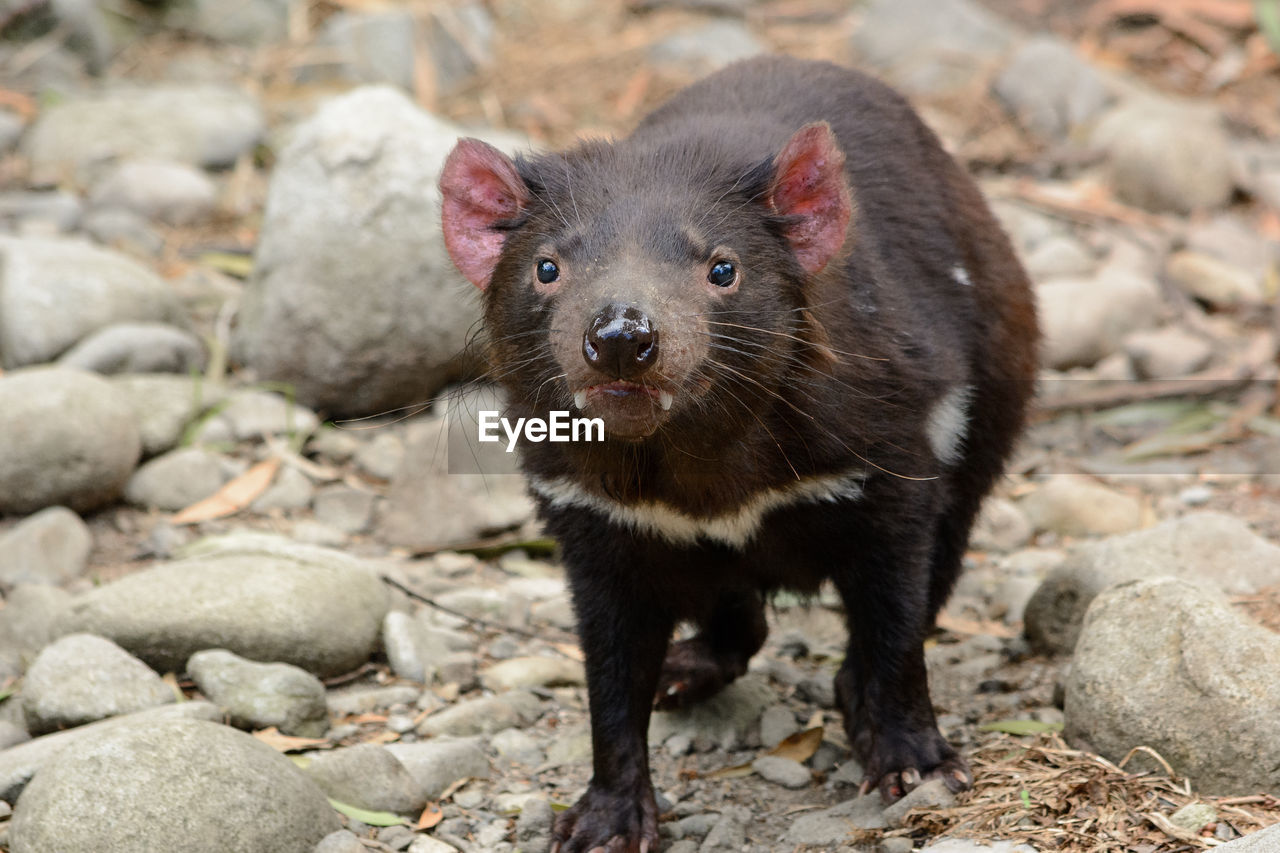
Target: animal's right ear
[480, 188]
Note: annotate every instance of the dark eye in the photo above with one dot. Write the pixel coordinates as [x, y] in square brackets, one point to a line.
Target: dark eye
[722, 274]
[547, 271]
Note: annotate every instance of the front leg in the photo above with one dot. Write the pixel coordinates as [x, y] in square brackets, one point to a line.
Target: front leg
[623, 627]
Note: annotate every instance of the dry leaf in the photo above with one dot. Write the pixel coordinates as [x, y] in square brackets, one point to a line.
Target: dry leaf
[799, 746]
[431, 815]
[737, 771]
[287, 743]
[233, 497]
[973, 627]
[569, 650]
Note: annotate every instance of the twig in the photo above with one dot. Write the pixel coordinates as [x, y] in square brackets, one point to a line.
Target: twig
[555, 636]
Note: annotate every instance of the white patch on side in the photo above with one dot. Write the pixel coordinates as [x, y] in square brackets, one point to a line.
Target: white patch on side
[948, 424]
[961, 275]
[734, 529]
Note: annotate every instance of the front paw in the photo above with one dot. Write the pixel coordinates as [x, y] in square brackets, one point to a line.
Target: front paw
[692, 673]
[897, 762]
[608, 822]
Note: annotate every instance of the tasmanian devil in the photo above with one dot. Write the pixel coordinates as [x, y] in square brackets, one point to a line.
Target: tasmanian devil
[811, 346]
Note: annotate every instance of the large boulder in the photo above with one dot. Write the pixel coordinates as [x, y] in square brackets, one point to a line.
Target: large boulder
[354, 300]
[1205, 546]
[264, 598]
[1170, 665]
[55, 292]
[51, 417]
[184, 785]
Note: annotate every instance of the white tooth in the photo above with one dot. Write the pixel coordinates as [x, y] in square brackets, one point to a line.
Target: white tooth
[580, 398]
[665, 400]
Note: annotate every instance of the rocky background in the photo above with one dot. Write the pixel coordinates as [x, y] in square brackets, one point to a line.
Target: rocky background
[246, 608]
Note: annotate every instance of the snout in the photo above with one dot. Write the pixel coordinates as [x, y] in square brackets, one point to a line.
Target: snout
[620, 342]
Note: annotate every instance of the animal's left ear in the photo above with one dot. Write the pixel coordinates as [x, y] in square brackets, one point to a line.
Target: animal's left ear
[809, 188]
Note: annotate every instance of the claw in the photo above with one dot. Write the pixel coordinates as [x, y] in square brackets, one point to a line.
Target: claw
[863, 790]
[644, 845]
[911, 777]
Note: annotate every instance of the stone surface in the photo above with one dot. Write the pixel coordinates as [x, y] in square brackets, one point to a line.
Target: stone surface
[165, 406]
[81, 678]
[247, 22]
[699, 49]
[1165, 156]
[1085, 319]
[249, 415]
[344, 508]
[137, 348]
[485, 715]
[930, 46]
[367, 776]
[205, 125]
[438, 763]
[54, 292]
[1219, 283]
[353, 299]
[29, 621]
[20, 763]
[1050, 89]
[1210, 715]
[460, 40]
[50, 211]
[367, 47]
[51, 546]
[525, 672]
[172, 193]
[48, 416]
[829, 827]
[176, 479]
[181, 785]
[1001, 526]
[428, 506]
[1075, 505]
[1167, 353]
[1262, 841]
[728, 720]
[414, 649]
[786, 772]
[291, 489]
[1060, 256]
[258, 695]
[1202, 546]
[261, 597]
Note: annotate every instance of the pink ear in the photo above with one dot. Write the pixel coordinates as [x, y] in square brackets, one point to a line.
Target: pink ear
[809, 186]
[480, 187]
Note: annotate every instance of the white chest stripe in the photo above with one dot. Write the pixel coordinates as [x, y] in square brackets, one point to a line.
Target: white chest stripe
[735, 529]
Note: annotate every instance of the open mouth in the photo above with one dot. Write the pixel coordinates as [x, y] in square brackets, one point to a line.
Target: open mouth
[621, 389]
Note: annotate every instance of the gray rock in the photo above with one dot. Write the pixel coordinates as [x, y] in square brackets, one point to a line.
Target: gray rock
[729, 720]
[485, 715]
[185, 785]
[460, 39]
[169, 192]
[729, 833]
[525, 672]
[515, 745]
[414, 649]
[291, 489]
[777, 723]
[49, 416]
[344, 508]
[429, 506]
[1202, 546]
[55, 292]
[342, 841]
[1050, 89]
[20, 763]
[1166, 157]
[137, 348]
[12, 734]
[11, 127]
[1060, 256]
[368, 700]
[1210, 715]
[968, 845]
[438, 763]
[699, 49]
[254, 415]
[1074, 505]
[205, 125]
[1001, 526]
[832, 826]
[123, 230]
[932, 794]
[262, 597]
[786, 772]
[1262, 841]
[533, 826]
[176, 479]
[367, 47]
[431, 844]
[81, 678]
[381, 456]
[55, 211]
[165, 406]
[931, 46]
[352, 200]
[29, 621]
[247, 22]
[1085, 320]
[258, 695]
[1167, 353]
[572, 748]
[366, 776]
[1219, 283]
[51, 546]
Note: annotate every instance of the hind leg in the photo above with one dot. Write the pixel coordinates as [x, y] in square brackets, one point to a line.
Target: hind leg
[699, 667]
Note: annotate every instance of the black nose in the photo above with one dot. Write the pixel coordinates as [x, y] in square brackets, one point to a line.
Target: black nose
[620, 341]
